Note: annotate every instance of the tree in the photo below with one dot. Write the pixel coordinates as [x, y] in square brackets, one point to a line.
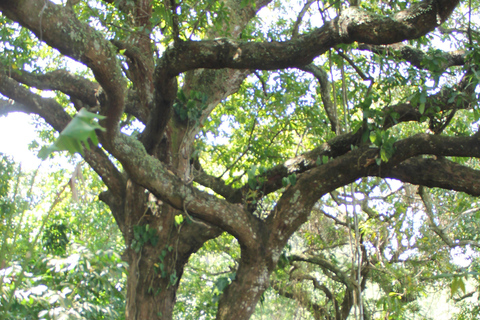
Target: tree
[307, 103]
[55, 264]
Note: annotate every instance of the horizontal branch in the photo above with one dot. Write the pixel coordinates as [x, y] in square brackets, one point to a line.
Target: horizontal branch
[61, 80]
[432, 173]
[353, 24]
[418, 57]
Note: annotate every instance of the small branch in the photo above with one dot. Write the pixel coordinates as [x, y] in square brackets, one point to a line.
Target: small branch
[427, 201]
[455, 30]
[172, 6]
[264, 85]
[464, 213]
[354, 66]
[325, 93]
[465, 296]
[337, 221]
[249, 143]
[302, 13]
[324, 264]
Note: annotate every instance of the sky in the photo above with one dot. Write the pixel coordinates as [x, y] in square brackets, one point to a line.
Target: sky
[16, 132]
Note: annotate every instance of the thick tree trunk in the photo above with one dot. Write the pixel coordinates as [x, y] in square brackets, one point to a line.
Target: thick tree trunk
[149, 295]
[156, 254]
[153, 273]
[240, 298]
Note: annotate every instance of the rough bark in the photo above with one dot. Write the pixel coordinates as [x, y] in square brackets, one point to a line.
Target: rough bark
[157, 167]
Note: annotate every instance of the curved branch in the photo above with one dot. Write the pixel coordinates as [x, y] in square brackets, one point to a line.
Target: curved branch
[294, 206]
[55, 115]
[153, 175]
[59, 27]
[353, 24]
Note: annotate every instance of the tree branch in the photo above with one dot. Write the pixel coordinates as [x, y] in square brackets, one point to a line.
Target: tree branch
[61, 80]
[436, 173]
[353, 24]
[301, 14]
[324, 264]
[427, 201]
[417, 57]
[55, 115]
[153, 175]
[343, 143]
[325, 93]
[59, 27]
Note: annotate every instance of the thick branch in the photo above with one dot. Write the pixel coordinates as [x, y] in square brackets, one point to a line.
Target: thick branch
[164, 184]
[353, 24]
[436, 173]
[59, 27]
[55, 115]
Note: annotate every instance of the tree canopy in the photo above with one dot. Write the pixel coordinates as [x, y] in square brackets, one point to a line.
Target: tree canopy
[318, 148]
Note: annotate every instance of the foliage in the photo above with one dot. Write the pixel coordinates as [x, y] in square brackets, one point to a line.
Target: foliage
[78, 131]
[273, 159]
[80, 274]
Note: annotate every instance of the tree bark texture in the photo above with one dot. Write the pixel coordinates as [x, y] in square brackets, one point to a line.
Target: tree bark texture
[156, 182]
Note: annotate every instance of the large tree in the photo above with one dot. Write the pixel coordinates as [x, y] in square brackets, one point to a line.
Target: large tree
[306, 99]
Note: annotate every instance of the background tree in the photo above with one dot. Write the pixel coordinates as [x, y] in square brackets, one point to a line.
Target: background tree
[221, 119]
[55, 263]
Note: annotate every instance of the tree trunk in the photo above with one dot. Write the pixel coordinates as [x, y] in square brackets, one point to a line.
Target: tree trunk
[157, 250]
[149, 296]
[156, 267]
[240, 298]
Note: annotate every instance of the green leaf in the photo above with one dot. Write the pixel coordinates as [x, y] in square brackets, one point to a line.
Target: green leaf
[373, 137]
[292, 179]
[78, 131]
[178, 219]
[456, 285]
[421, 108]
[181, 96]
